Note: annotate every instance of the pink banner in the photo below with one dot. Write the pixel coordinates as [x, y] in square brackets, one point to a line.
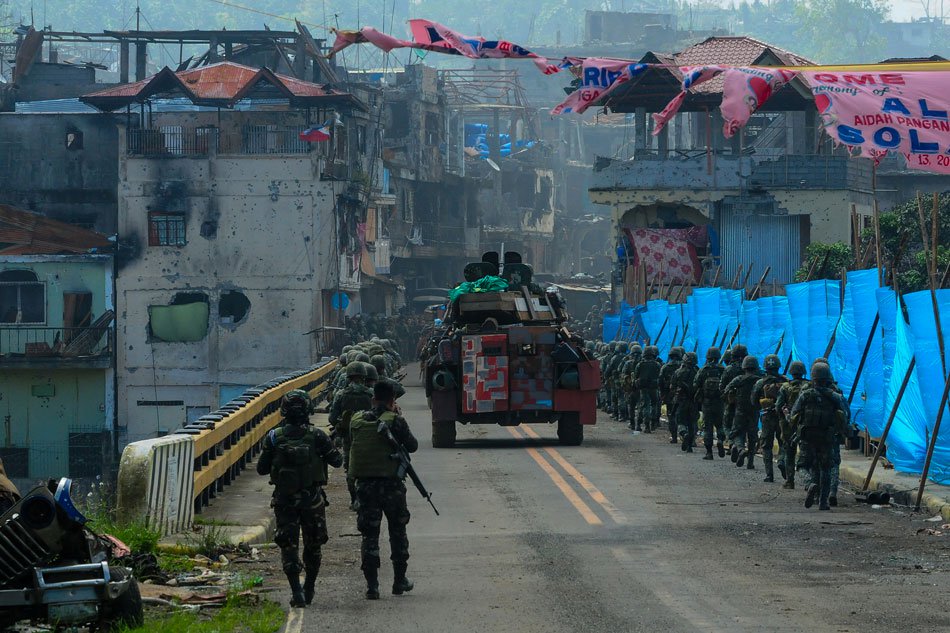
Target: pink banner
[692, 76]
[599, 77]
[904, 112]
[745, 90]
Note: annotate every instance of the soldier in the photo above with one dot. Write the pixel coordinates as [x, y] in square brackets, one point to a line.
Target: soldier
[733, 370]
[630, 387]
[608, 376]
[666, 389]
[684, 394]
[745, 423]
[709, 397]
[355, 397]
[646, 377]
[765, 395]
[379, 488]
[9, 495]
[296, 456]
[787, 397]
[836, 447]
[821, 416]
[616, 376]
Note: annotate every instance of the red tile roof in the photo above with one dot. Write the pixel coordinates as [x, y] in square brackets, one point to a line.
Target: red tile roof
[734, 50]
[222, 85]
[26, 233]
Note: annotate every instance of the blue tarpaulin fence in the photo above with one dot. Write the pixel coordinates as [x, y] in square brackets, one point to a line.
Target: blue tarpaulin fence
[800, 326]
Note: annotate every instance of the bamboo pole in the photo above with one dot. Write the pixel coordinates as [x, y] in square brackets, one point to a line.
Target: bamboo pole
[934, 238]
[877, 245]
[933, 444]
[715, 281]
[745, 280]
[735, 280]
[890, 420]
[758, 286]
[864, 357]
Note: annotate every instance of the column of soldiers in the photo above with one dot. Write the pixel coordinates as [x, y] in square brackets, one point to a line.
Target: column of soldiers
[296, 456]
[742, 409]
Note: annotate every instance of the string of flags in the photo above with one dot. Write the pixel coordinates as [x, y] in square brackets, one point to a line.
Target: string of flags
[872, 109]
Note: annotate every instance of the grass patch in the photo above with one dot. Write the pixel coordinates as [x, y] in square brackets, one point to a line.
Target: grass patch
[239, 615]
[209, 540]
[175, 563]
[98, 506]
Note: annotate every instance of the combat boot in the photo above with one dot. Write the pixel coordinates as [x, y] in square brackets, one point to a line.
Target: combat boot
[740, 460]
[734, 453]
[750, 454]
[769, 472]
[833, 501]
[310, 583]
[789, 484]
[297, 598]
[401, 584]
[721, 449]
[371, 574]
[782, 470]
[810, 497]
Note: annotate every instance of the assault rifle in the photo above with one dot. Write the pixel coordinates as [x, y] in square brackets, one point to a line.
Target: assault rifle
[405, 464]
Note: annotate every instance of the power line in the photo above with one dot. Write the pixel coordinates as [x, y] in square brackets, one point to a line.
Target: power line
[270, 15]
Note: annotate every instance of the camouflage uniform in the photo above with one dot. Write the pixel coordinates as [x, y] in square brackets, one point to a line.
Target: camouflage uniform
[821, 416]
[380, 491]
[350, 400]
[296, 456]
[646, 377]
[745, 423]
[787, 397]
[631, 391]
[733, 370]
[684, 396]
[666, 389]
[765, 396]
[618, 402]
[706, 387]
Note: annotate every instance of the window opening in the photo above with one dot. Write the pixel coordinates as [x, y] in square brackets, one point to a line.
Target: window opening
[166, 229]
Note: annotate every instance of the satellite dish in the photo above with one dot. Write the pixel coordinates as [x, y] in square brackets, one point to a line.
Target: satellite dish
[492, 164]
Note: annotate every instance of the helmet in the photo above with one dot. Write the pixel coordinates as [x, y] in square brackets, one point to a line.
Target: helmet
[676, 353]
[651, 352]
[356, 370]
[636, 350]
[343, 360]
[347, 348]
[739, 352]
[712, 355]
[362, 357]
[622, 348]
[379, 362]
[797, 368]
[690, 358]
[371, 374]
[750, 363]
[821, 372]
[613, 346]
[295, 404]
[727, 356]
[772, 362]
[821, 359]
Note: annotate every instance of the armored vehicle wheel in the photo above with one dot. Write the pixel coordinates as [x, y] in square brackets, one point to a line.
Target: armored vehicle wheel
[443, 434]
[125, 611]
[570, 431]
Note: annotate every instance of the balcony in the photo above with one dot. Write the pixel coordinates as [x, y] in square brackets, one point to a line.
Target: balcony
[171, 141]
[695, 169]
[26, 347]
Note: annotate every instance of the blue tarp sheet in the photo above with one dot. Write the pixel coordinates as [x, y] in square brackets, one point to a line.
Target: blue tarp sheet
[800, 326]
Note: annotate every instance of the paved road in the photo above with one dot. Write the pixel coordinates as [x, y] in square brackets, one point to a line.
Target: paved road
[627, 533]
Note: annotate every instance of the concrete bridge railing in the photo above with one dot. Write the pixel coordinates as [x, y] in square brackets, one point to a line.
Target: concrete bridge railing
[167, 480]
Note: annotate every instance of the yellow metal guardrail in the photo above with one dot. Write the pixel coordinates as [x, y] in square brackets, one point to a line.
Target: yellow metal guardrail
[228, 439]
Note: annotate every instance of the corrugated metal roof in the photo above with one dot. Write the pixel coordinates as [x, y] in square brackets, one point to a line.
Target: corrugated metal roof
[220, 85]
[26, 233]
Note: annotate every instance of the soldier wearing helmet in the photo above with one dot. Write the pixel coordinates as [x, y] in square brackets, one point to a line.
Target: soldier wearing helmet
[684, 399]
[631, 391]
[356, 396]
[821, 416]
[787, 396]
[666, 390]
[733, 370]
[646, 376]
[709, 397]
[765, 396]
[836, 446]
[745, 425]
[296, 456]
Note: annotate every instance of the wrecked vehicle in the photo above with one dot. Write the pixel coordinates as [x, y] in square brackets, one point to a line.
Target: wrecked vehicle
[505, 357]
[53, 569]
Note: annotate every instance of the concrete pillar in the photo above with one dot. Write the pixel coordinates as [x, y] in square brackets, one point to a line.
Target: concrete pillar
[141, 55]
[679, 125]
[715, 133]
[663, 142]
[124, 62]
[640, 129]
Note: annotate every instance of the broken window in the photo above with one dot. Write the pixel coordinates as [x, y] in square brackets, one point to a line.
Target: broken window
[166, 229]
[185, 320]
[361, 139]
[73, 139]
[22, 298]
[432, 129]
[233, 307]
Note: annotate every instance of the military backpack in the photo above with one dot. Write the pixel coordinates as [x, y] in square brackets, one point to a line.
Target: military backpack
[296, 465]
[711, 383]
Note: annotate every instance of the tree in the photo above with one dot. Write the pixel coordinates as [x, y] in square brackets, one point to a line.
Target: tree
[825, 261]
[845, 31]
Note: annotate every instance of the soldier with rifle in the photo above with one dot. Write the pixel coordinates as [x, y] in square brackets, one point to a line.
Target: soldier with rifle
[380, 489]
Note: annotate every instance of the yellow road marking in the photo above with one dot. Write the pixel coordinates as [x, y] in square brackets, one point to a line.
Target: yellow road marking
[595, 494]
[294, 622]
[563, 486]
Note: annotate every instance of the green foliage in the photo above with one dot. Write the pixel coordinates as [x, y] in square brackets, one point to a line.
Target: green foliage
[241, 614]
[175, 563]
[210, 540]
[825, 261]
[99, 507]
